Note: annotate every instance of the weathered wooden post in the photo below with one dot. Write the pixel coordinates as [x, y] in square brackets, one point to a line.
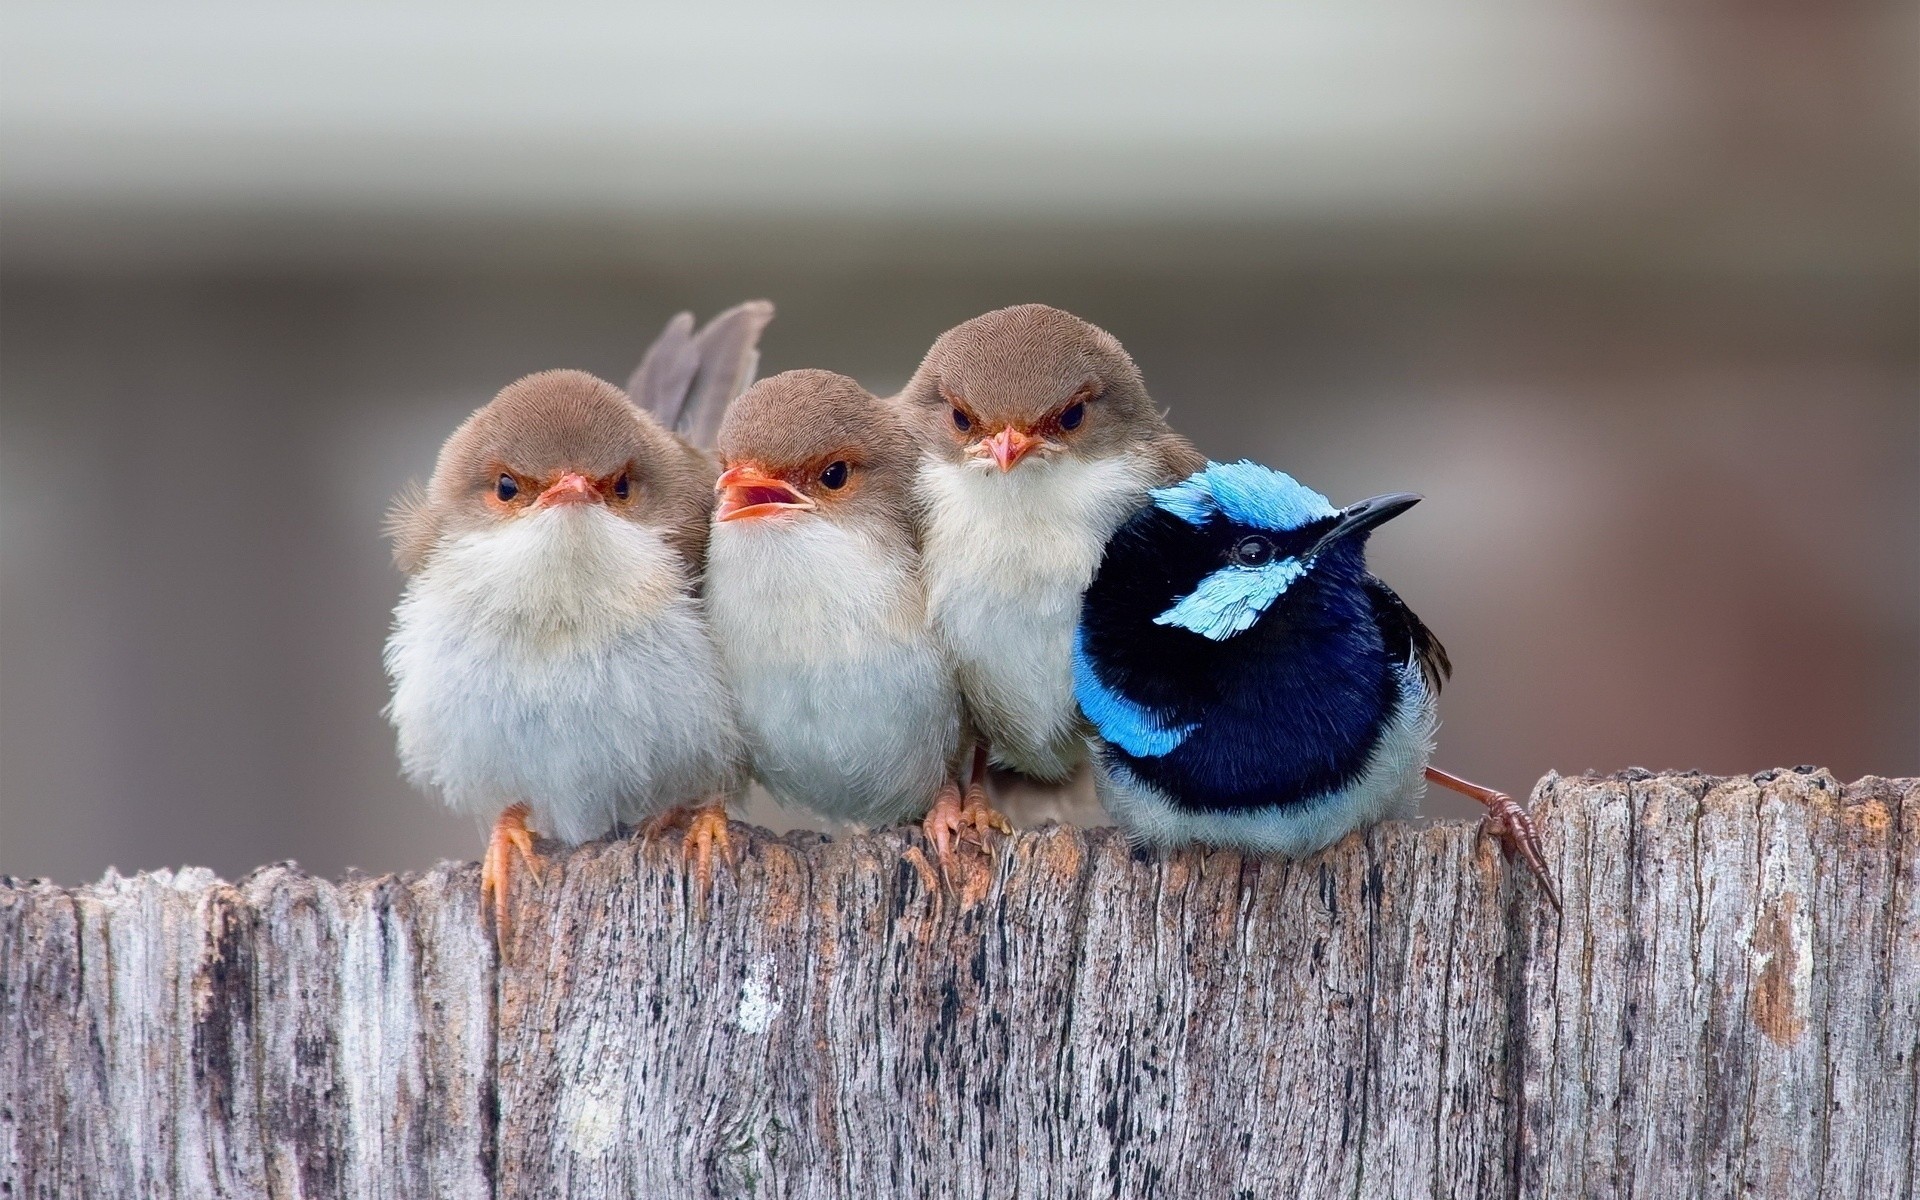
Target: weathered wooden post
[1730, 1005]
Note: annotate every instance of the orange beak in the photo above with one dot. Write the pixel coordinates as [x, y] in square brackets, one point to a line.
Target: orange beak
[570, 488]
[1009, 446]
[747, 492]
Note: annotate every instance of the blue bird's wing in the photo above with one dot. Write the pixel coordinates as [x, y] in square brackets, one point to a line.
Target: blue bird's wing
[1407, 637]
[1133, 727]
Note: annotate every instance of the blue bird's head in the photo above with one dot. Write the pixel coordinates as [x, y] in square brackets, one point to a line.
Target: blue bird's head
[1216, 552]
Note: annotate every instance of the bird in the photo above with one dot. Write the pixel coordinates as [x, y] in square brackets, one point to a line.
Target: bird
[1251, 684]
[847, 699]
[1040, 439]
[551, 663]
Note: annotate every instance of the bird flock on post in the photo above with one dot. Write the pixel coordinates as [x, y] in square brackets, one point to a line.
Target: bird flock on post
[622, 607]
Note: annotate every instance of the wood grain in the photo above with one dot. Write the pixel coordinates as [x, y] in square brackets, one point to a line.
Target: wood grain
[1731, 1005]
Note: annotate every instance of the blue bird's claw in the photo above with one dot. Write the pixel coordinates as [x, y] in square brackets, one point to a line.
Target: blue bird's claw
[1508, 822]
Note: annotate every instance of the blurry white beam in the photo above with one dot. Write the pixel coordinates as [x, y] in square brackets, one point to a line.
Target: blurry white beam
[1007, 111]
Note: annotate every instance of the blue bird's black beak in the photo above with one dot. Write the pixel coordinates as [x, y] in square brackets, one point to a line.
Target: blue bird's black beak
[1362, 517]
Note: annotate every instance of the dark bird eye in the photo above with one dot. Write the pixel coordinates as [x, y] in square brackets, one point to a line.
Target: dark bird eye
[834, 477]
[620, 486]
[1071, 417]
[506, 488]
[1252, 552]
[961, 421]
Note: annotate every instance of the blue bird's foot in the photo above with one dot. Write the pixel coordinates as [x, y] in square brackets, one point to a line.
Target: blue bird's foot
[1508, 822]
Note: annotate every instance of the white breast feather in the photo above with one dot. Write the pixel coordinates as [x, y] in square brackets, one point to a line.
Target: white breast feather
[1388, 789]
[848, 703]
[1007, 556]
[557, 660]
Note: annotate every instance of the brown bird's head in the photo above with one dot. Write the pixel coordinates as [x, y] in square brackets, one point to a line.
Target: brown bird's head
[553, 443]
[813, 445]
[1030, 383]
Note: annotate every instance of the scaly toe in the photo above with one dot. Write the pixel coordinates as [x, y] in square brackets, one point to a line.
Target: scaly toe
[944, 824]
[707, 832]
[1509, 821]
[980, 819]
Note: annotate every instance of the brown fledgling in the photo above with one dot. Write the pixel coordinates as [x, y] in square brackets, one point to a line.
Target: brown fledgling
[848, 703]
[551, 665]
[1039, 440]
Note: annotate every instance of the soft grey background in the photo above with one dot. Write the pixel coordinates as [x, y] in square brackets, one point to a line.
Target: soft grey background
[1630, 297]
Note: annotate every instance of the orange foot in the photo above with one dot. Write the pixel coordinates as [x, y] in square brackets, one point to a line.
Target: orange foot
[707, 830]
[944, 823]
[1508, 822]
[510, 836]
[980, 818]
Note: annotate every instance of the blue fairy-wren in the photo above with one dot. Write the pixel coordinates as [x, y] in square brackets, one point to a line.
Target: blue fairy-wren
[1251, 684]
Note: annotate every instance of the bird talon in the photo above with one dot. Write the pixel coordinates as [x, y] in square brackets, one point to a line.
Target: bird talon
[945, 824]
[1509, 822]
[707, 830]
[980, 819]
[510, 836]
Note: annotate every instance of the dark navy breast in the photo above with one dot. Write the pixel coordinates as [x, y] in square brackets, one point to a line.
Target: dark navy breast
[1287, 711]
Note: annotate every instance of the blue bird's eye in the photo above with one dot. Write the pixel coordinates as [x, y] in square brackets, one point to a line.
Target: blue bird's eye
[506, 488]
[834, 477]
[1074, 413]
[961, 421]
[1253, 551]
[621, 486]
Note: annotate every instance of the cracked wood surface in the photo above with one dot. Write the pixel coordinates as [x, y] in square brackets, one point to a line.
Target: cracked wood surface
[1731, 1005]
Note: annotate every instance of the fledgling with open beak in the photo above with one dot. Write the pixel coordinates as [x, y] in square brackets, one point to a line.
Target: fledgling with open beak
[1040, 440]
[1251, 684]
[847, 700]
[552, 667]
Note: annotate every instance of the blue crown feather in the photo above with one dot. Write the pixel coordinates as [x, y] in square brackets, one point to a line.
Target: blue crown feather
[1245, 493]
[1120, 721]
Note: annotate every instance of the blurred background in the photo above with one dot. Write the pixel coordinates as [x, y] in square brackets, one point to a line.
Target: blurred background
[1633, 296]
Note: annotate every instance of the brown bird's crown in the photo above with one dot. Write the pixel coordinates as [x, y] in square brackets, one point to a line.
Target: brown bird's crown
[552, 438]
[1061, 383]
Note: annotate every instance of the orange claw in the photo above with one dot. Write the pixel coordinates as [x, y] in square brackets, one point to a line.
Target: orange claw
[707, 830]
[981, 818]
[510, 836]
[944, 823]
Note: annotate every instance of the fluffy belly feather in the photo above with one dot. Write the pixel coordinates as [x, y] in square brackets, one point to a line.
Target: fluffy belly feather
[847, 701]
[869, 741]
[1007, 557]
[588, 731]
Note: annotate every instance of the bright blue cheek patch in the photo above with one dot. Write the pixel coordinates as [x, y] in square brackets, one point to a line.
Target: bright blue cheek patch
[1120, 721]
[1231, 599]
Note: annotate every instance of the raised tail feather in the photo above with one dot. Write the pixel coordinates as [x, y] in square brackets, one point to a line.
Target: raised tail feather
[688, 378]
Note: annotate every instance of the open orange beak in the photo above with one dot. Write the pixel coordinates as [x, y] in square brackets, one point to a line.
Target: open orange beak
[747, 492]
[1009, 446]
[570, 488]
